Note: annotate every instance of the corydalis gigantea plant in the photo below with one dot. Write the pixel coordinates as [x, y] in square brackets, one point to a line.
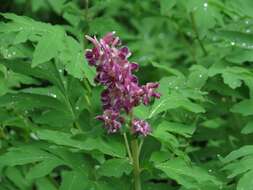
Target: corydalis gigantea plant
[122, 90]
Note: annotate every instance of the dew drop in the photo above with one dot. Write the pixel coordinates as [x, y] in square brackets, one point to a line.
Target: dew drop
[214, 38]
[210, 170]
[97, 167]
[34, 136]
[247, 30]
[205, 5]
[53, 95]
[232, 43]
[176, 87]
[77, 107]
[60, 70]
[200, 76]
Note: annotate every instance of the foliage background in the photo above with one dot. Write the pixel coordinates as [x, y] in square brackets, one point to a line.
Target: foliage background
[200, 51]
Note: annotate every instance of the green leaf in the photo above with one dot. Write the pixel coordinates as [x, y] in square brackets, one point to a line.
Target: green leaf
[172, 102]
[23, 155]
[72, 13]
[240, 55]
[205, 15]
[17, 178]
[178, 128]
[246, 182]
[45, 184]
[197, 77]
[242, 8]
[97, 26]
[233, 76]
[73, 180]
[159, 156]
[243, 151]
[115, 168]
[239, 166]
[109, 147]
[141, 111]
[185, 174]
[44, 168]
[57, 5]
[73, 59]
[237, 38]
[244, 107]
[26, 101]
[163, 135]
[23, 23]
[248, 128]
[166, 5]
[214, 123]
[48, 47]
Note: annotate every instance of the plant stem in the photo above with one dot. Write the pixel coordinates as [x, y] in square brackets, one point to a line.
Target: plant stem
[86, 10]
[140, 145]
[194, 27]
[128, 148]
[136, 164]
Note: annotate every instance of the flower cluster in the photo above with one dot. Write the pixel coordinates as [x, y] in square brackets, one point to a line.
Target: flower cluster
[141, 127]
[122, 90]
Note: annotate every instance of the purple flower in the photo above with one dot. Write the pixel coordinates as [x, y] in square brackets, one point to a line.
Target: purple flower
[140, 127]
[112, 120]
[114, 71]
[149, 91]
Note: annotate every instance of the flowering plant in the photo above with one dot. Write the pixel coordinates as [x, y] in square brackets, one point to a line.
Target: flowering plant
[189, 128]
[122, 90]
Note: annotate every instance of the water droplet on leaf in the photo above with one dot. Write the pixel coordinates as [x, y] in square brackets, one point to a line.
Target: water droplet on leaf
[53, 95]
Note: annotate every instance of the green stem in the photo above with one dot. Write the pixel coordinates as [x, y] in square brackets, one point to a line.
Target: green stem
[87, 85]
[194, 27]
[86, 10]
[136, 164]
[2, 133]
[140, 146]
[86, 18]
[128, 148]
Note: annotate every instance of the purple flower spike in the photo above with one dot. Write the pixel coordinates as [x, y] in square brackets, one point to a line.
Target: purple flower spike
[122, 89]
[141, 127]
